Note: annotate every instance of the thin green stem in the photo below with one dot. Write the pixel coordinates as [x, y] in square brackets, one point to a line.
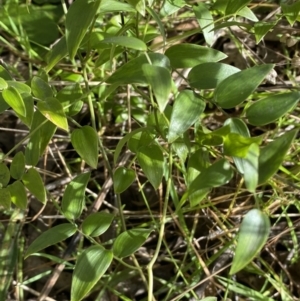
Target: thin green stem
[161, 230]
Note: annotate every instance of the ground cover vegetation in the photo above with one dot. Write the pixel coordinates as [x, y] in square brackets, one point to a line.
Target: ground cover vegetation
[149, 150]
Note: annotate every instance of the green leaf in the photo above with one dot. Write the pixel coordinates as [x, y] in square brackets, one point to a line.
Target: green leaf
[253, 234]
[171, 6]
[215, 175]
[205, 21]
[237, 87]
[151, 160]
[123, 178]
[233, 6]
[17, 166]
[247, 13]
[4, 73]
[85, 142]
[197, 163]
[97, 223]
[18, 194]
[128, 42]
[130, 241]
[52, 109]
[271, 108]
[272, 155]
[250, 167]
[291, 11]
[3, 84]
[21, 87]
[39, 139]
[57, 53]
[186, 111]
[73, 200]
[78, 19]
[15, 100]
[34, 183]
[91, 265]
[262, 28]
[70, 98]
[139, 5]
[209, 75]
[124, 140]
[4, 175]
[51, 237]
[132, 72]
[238, 145]
[5, 198]
[190, 55]
[159, 78]
[107, 6]
[29, 106]
[40, 88]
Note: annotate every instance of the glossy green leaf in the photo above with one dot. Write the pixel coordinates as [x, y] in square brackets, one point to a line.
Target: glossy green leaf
[130, 241]
[272, 155]
[5, 198]
[205, 21]
[190, 55]
[97, 223]
[39, 139]
[247, 13]
[15, 100]
[91, 264]
[40, 88]
[171, 6]
[51, 237]
[159, 22]
[238, 145]
[250, 167]
[123, 178]
[132, 72]
[57, 53]
[187, 109]
[253, 234]
[115, 6]
[151, 160]
[73, 200]
[215, 175]
[52, 109]
[237, 87]
[4, 175]
[70, 98]
[271, 108]
[20, 87]
[139, 5]
[18, 194]
[290, 11]
[233, 6]
[85, 142]
[237, 126]
[34, 183]
[78, 19]
[3, 84]
[124, 140]
[209, 75]
[261, 29]
[159, 78]
[198, 162]
[29, 106]
[17, 166]
[4, 73]
[128, 42]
